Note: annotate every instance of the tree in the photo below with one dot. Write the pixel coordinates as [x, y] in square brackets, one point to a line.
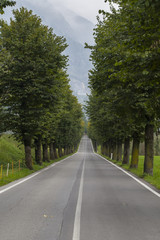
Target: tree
[69, 130]
[4, 4]
[30, 79]
[126, 68]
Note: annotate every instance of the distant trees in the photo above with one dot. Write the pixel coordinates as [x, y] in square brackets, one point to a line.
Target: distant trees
[124, 81]
[34, 87]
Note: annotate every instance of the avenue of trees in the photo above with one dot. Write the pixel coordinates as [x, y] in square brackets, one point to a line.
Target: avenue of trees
[124, 103]
[36, 103]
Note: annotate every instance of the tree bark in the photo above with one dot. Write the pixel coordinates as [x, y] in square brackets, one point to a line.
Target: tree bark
[94, 145]
[28, 156]
[60, 152]
[51, 151]
[65, 151]
[126, 151]
[135, 152]
[45, 153]
[114, 151]
[55, 151]
[119, 151]
[38, 152]
[149, 152]
[102, 148]
[106, 149]
[110, 147]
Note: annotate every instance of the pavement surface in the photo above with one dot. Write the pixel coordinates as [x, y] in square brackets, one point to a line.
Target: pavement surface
[82, 197]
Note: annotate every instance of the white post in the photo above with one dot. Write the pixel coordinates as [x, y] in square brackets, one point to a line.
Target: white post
[7, 169]
[111, 156]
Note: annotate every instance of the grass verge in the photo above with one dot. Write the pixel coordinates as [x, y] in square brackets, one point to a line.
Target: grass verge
[25, 171]
[12, 152]
[154, 180]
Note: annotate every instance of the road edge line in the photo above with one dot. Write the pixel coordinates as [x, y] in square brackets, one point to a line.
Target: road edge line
[130, 175]
[34, 175]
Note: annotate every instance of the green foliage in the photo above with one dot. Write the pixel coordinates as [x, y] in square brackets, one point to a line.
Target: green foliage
[35, 99]
[11, 150]
[124, 80]
[69, 129]
[4, 4]
[31, 83]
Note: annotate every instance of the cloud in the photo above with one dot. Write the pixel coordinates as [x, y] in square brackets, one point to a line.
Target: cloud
[85, 8]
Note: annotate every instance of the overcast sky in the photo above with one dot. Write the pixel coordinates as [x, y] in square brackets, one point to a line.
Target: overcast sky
[48, 10]
[86, 8]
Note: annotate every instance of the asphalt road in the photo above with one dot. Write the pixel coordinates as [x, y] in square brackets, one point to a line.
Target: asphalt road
[82, 197]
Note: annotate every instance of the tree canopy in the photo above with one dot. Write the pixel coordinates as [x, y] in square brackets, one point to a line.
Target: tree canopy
[125, 74]
[4, 4]
[34, 86]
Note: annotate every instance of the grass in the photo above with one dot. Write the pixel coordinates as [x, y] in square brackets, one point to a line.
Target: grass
[154, 180]
[25, 171]
[12, 151]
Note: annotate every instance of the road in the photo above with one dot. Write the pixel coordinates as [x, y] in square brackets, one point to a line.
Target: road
[82, 197]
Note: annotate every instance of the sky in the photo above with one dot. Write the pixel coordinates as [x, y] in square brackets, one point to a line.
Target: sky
[48, 10]
[85, 8]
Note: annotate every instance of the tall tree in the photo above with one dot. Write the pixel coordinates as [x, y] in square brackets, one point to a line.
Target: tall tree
[125, 67]
[29, 81]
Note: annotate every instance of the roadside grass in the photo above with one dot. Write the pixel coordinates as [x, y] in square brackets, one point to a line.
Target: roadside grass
[10, 150]
[154, 180]
[13, 152]
[17, 174]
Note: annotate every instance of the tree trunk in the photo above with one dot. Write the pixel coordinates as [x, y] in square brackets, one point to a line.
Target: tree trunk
[65, 151]
[106, 149]
[75, 147]
[51, 151]
[102, 148]
[149, 153]
[94, 145]
[38, 152]
[157, 146]
[45, 153]
[72, 150]
[55, 151]
[126, 151]
[135, 152]
[60, 152]
[110, 149]
[119, 151]
[28, 156]
[114, 151]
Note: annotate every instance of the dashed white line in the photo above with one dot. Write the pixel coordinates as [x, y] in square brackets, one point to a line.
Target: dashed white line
[77, 220]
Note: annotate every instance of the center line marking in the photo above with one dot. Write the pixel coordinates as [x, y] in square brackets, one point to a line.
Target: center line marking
[77, 220]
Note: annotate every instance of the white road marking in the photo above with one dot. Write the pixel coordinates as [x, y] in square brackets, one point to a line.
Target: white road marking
[77, 220]
[33, 175]
[136, 179]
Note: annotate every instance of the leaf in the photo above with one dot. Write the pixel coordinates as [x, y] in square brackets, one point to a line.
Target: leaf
[145, 72]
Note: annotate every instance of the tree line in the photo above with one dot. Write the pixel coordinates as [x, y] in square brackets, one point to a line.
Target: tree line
[124, 103]
[36, 102]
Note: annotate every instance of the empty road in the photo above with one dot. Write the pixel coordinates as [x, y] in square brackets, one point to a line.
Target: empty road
[82, 197]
